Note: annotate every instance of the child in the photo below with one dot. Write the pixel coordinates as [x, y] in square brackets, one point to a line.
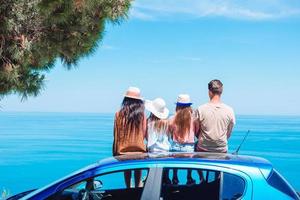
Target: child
[157, 126]
[183, 131]
[157, 130]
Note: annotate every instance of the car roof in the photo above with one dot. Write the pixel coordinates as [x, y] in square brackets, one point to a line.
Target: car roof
[204, 157]
[182, 156]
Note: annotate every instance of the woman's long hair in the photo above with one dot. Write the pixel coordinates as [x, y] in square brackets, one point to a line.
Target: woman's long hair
[131, 116]
[183, 119]
[159, 125]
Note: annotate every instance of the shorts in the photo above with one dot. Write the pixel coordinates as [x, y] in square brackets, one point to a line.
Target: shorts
[184, 147]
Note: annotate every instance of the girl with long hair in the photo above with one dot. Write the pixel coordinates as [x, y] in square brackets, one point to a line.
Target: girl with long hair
[183, 129]
[158, 140]
[130, 130]
[157, 126]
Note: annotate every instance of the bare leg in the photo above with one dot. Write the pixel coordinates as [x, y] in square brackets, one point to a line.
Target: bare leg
[127, 176]
[189, 174]
[137, 178]
[166, 179]
[189, 178]
[217, 175]
[201, 176]
[175, 180]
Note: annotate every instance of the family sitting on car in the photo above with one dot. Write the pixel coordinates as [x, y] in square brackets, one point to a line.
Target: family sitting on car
[205, 129]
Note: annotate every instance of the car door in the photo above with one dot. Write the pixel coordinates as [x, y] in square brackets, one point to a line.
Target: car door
[105, 183]
[217, 182]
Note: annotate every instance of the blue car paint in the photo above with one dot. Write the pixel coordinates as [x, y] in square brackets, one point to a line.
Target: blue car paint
[252, 169]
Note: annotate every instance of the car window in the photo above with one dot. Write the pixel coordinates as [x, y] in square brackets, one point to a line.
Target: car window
[200, 184]
[108, 186]
[233, 186]
[278, 182]
[116, 180]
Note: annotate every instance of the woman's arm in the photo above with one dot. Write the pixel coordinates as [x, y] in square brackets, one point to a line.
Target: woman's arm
[196, 123]
[114, 147]
[145, 126]
[171, 127]
[197, 126]
[146, 132]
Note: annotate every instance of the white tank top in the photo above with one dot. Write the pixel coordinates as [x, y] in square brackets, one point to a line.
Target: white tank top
[157, 141]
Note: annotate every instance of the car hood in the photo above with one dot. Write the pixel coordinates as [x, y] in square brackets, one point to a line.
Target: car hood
[20, 195]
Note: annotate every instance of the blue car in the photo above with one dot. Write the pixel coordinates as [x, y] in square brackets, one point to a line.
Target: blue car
[217, 176]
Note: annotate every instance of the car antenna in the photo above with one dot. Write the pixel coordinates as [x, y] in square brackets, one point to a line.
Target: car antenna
[237, 151]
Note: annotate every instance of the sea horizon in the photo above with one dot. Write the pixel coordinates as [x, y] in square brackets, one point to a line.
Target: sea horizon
[112, 113]
[41, 147]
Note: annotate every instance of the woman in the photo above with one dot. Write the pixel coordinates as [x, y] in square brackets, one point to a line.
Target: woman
[183, 131]
[157, 126]
[130, 130]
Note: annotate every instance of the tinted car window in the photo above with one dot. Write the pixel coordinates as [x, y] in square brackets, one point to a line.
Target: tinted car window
[233, 186]
[278, 182]
[207, 184]
[109, 186]
[116, 180]
[207, 187]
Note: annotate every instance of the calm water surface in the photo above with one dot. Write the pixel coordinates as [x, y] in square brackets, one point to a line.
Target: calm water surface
[38, 148]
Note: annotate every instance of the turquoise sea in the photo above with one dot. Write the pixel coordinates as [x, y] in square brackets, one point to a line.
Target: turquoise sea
[38, 148]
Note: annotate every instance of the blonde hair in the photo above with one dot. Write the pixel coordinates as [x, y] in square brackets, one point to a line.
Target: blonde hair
[183, 119]
[159, 125]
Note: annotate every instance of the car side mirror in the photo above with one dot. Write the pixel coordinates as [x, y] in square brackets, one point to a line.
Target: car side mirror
[97, 184]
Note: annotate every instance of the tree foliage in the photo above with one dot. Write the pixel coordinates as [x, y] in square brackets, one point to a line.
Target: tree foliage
[35, 33]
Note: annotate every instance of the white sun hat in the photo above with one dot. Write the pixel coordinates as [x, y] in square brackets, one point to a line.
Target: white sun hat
[134, 93]
[184, 100]
[157, 107]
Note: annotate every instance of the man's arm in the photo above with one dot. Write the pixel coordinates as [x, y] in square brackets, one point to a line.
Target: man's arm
[229, 130]
[231, 125]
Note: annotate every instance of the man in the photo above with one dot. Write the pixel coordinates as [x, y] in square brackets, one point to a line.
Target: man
[215, 120]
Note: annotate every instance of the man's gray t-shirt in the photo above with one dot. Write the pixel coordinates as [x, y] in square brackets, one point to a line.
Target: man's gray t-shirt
[216, 123]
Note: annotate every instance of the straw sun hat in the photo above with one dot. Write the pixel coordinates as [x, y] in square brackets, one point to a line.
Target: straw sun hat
[134, 93]
[157, 107]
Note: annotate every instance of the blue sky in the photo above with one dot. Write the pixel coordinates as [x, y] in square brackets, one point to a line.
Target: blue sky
[167, 47]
